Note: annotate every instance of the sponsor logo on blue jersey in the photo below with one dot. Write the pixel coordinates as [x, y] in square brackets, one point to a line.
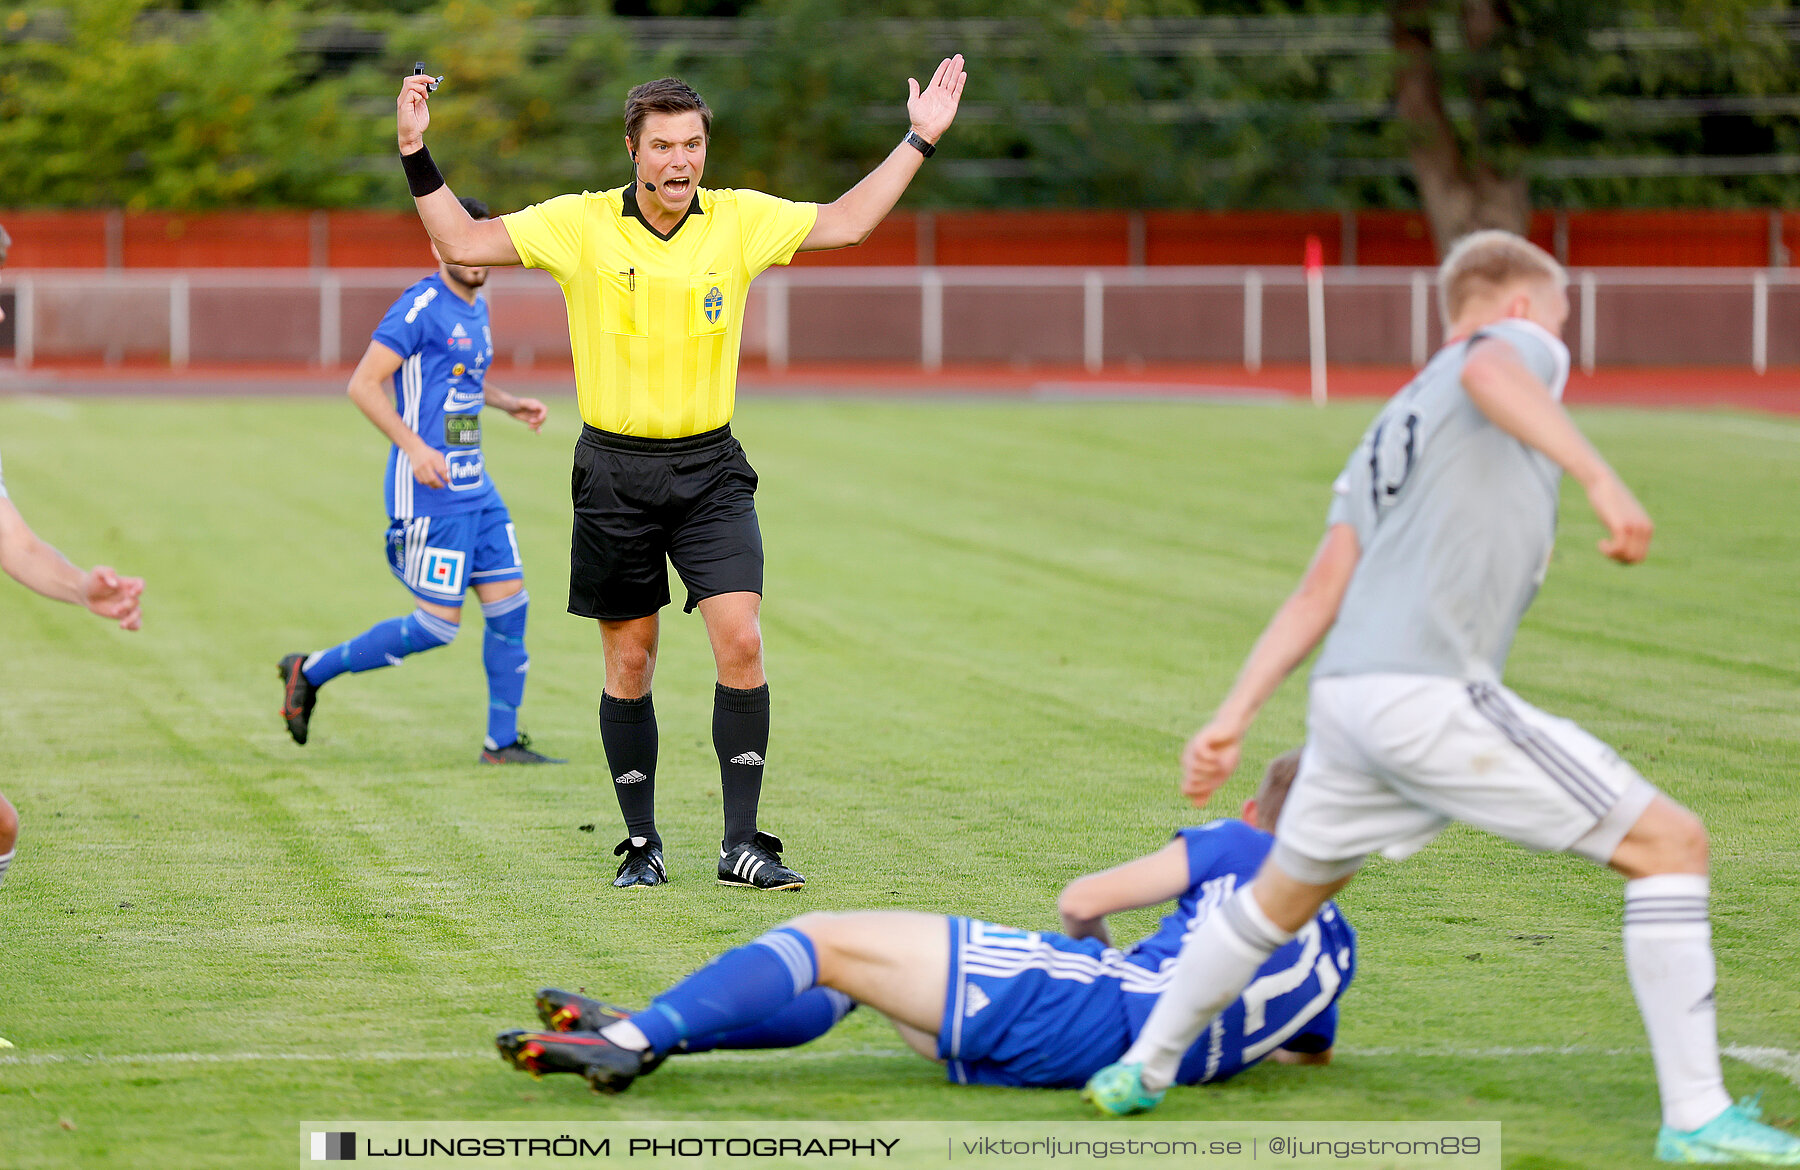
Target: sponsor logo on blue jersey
[459, 399]
[446, 346]
[467, 470]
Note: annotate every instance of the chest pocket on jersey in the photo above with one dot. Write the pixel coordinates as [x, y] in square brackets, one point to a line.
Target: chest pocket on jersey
[709, 305]
[624, 303]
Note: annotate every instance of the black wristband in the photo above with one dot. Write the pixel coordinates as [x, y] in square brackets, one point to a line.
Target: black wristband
[913, 140]
[421, 173]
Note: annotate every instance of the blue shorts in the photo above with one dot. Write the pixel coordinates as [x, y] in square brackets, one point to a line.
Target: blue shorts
[440, 557]
[1027, 1008]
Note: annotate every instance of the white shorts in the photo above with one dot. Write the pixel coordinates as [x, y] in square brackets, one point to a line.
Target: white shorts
[1391, 759]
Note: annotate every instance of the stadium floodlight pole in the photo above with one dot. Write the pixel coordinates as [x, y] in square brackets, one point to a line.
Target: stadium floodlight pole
[1315, 315]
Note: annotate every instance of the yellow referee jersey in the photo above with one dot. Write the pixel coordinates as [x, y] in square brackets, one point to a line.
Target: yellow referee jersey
[655, 321]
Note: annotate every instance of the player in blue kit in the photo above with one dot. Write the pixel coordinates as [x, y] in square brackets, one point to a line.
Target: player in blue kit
[449, 530]
[995, 1005]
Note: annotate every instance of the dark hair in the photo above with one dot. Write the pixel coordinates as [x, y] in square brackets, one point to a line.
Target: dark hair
[475, 207]
[666, 95]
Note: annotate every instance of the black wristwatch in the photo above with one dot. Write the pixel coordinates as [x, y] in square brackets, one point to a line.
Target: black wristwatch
[925, 148]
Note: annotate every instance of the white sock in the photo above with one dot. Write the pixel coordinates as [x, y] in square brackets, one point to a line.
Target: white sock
[1668, 954]
[626, 1034]
[6, 860]
[1218, 960]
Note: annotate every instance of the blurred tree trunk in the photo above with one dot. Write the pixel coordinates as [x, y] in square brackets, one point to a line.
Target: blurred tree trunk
[1459, 185]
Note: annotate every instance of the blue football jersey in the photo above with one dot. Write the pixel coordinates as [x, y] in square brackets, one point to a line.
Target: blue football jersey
[1292, 1002]
[446, 347]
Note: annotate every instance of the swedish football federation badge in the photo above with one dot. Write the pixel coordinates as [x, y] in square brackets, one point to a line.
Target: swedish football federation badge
[715, 305]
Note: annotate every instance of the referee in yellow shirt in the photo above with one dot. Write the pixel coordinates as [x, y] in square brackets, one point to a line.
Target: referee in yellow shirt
[655, 275]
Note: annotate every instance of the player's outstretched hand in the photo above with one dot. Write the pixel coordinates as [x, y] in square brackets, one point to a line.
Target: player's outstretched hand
[1628, 526]
[412, 114]
[530, 411]
[111, 596]
[430, 467]
[933, 108]
[1209, 760]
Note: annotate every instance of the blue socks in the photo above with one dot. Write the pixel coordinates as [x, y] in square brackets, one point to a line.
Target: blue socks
[380, 645]
[815, 1013]
[739, 990]
[503, 654]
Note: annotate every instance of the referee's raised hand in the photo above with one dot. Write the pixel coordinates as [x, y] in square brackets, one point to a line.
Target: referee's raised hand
[933, 108]
[412, 113]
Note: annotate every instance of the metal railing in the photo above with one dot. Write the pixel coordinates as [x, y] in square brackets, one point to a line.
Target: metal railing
[1096, 318]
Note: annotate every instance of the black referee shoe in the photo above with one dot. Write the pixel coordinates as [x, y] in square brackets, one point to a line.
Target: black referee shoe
[606, 1066]
[756, 865]
[643, 864]
[297, 696]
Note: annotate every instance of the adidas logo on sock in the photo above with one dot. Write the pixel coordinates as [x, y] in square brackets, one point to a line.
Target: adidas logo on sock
[751, 758]
[391, 659]
[632, 777]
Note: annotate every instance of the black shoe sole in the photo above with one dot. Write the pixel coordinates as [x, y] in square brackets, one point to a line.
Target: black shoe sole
[526, 1054]
[299, 723]
[566, 1017]
[733, 883]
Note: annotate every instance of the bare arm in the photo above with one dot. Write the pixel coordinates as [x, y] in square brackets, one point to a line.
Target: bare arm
[1297, 627]
[459, 238]
[858, 211]
[529, 411]
[34, 564]
[1147, 881]
[1514, 399]
[369, 390]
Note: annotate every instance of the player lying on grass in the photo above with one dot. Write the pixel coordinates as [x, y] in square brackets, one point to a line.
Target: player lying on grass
[996, 1005]
[1439, 535]
[37, 566]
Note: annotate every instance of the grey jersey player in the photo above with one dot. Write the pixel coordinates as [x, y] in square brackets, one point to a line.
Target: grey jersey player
[1455, 519]
[1436, 542]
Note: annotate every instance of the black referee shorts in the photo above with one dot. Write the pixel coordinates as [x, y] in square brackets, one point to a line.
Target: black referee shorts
[637, 501]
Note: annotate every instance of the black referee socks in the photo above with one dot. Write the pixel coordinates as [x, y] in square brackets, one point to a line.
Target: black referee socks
[741, 737]
[628, 732]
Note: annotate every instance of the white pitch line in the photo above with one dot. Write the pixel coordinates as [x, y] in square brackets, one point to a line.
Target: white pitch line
[1776, 1060]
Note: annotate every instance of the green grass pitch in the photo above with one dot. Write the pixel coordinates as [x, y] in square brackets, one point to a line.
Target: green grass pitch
[989, 625]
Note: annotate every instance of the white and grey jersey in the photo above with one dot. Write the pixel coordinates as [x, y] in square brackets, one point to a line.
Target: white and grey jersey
[1455, 518]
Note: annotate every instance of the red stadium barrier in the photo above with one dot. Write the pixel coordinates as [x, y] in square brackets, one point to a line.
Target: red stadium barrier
[57, 239]
[224, 239]
[1669, 239]
[376, 239]
[1238, 237]
[1032, 237]
[384, 239]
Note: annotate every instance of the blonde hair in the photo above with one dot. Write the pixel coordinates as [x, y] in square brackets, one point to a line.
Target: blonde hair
[1272, 793]
[1484, 262]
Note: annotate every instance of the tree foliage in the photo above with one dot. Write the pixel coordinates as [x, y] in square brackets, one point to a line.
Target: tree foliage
[1073, 103]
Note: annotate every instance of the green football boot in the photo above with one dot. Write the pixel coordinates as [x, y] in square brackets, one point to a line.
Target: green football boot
[1118, 1090]
[1734, 1137]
